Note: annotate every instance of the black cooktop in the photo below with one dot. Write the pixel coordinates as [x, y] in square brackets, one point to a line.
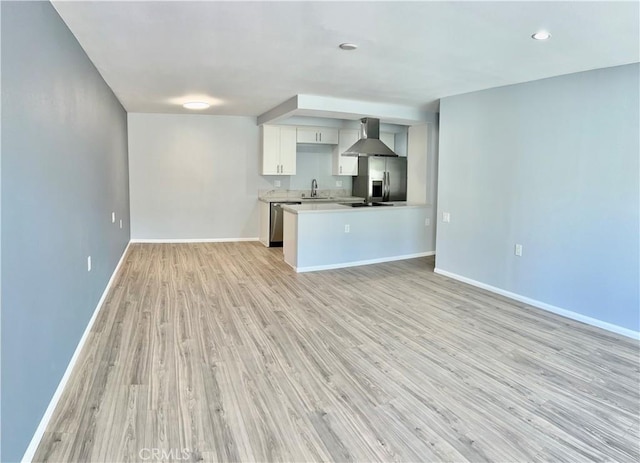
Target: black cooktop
[366, 204]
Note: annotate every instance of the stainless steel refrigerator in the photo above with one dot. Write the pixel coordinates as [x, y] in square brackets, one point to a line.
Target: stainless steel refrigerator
[381, 178]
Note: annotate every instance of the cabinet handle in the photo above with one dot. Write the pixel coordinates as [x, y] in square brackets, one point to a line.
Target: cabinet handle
[320, 136]
[340, 169]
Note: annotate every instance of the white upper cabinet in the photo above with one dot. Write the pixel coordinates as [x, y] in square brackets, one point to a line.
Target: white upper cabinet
[278, 150]
[288, 150]
[345, 165]
[317, 135]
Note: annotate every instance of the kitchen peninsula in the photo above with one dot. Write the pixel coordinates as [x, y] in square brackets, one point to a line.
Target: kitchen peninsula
[332, 235]
[271, 213]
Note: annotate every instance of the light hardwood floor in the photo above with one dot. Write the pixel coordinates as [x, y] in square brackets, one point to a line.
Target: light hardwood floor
[220, 352]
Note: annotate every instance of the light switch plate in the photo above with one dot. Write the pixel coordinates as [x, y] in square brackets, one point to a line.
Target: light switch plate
[276, 183]
[518, 250]
[339, 183]
[446, 217]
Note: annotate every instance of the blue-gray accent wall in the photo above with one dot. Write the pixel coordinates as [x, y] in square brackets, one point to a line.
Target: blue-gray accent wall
[64, 171]
[553, 165]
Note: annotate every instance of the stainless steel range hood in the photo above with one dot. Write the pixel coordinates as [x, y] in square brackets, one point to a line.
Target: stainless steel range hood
[369, 143]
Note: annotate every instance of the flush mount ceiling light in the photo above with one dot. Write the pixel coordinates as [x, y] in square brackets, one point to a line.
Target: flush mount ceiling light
[348, 46]
[196, 105]
[541, 35]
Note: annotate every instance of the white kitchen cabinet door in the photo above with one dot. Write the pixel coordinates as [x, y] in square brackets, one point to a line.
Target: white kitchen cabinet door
[345, 165]
[328, 136]
[287, 150]
[389, 139]
[265, 217]
[306, 135]
[278, 150]
[270, 150]
[317, 136]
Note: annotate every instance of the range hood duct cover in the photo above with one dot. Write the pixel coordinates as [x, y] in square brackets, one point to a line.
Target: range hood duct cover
[369, 143]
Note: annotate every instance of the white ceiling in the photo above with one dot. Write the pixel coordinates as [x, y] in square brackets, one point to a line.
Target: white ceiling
[252, 56]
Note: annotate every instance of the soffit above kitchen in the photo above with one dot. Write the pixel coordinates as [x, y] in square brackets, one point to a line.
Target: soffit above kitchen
[246, 58]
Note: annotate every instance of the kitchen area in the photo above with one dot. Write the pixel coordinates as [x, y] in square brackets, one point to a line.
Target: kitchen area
[360, 214]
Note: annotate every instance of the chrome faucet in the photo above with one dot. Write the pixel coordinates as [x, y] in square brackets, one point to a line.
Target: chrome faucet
[314, 188]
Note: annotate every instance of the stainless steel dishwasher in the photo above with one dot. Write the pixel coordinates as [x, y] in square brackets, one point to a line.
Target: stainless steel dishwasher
[277, 215]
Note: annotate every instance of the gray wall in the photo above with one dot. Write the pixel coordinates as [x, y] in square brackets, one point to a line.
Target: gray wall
[552, 165]
[64, 170]
[315, 161]
[194, 176]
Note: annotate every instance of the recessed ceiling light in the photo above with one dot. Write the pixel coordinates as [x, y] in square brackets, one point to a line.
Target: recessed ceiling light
[196, 105]
[541, 35]
[348, 46]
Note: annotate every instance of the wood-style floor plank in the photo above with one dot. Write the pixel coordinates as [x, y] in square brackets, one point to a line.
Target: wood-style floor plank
[221, 353]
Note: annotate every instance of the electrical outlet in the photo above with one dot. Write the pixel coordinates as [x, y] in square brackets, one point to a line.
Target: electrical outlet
[446, 217]
[427, 222]
[347, 228]
[276, 183]
[113, 217]
[518, 250]
[120, 223]
[339, 183]
[89, 264]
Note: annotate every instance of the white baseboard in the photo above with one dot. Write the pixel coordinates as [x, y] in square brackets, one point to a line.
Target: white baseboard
[192, 240]
[544, 306]
[37, 436]
[362, 262]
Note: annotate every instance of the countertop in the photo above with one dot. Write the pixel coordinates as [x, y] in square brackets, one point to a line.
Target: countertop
[307, 200]
[335, 207]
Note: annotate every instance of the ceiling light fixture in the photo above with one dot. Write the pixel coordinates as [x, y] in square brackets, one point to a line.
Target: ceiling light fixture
[541, 35]
[348, 46]
[196, 105]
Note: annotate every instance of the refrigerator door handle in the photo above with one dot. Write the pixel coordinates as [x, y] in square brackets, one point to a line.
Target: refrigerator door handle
[386, 187]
